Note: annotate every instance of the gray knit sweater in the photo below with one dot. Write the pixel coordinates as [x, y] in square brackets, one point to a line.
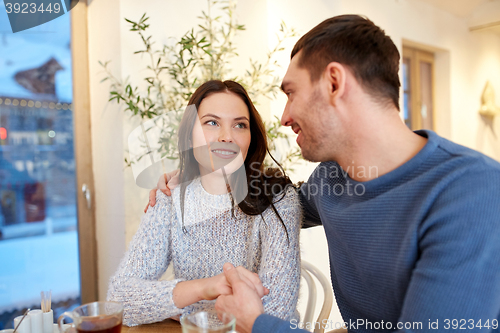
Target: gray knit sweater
[213, 237]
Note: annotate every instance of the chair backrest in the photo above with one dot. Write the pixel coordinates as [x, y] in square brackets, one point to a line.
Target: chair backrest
[307, 270]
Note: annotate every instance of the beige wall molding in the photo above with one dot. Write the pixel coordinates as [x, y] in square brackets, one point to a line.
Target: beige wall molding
[488, 106]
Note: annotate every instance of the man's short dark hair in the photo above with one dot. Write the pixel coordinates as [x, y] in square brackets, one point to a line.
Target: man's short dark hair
[358, 43]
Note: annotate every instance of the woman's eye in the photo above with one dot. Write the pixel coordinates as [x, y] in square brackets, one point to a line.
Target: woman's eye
[241, 125]
[211, 122]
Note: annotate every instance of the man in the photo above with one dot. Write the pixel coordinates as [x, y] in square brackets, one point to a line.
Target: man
[412, 220]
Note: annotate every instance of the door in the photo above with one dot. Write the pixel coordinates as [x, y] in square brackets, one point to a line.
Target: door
[418, 77]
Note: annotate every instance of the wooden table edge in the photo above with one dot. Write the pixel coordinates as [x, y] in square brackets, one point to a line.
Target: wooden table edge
[166, 326]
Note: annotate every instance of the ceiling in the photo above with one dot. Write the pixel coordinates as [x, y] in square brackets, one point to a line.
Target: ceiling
[481, 15]
[461, 8]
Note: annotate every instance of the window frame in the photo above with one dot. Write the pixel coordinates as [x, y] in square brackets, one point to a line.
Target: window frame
[416, 56]
[87, 243]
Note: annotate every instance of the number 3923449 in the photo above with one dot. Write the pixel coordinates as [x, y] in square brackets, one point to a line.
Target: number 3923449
[470, 324]
[32, 8]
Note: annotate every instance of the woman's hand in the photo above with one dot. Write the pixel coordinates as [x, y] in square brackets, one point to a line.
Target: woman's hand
[216, 286]
[189, 292]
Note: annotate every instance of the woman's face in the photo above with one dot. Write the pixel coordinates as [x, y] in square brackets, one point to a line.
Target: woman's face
[221, 133]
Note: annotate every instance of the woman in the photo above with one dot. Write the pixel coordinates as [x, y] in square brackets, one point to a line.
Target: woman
[222, 145]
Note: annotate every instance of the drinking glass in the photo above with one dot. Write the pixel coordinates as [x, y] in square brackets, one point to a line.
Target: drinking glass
[208, 322]
[96, 317]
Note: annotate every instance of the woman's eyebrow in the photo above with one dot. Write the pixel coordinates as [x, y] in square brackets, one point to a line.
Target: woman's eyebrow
[210, 115]
[217, 117]
[242, 118]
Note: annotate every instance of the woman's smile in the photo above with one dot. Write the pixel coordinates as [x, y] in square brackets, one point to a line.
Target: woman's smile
[223, 153]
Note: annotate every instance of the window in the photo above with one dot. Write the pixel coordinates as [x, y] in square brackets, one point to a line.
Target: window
[38, 198]
[418, 99]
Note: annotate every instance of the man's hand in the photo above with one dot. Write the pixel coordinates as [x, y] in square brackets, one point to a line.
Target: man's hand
[245, 303]
[252, 280]
[166, 183]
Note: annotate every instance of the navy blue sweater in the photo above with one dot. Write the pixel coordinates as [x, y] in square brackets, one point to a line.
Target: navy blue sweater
[416, 249]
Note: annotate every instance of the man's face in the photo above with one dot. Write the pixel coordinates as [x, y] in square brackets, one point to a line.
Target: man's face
[309, 113]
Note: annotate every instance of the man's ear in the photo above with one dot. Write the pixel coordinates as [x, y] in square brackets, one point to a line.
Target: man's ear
[335, 77]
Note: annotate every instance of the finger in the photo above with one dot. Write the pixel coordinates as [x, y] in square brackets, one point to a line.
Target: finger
[152, 197]
[260, 290]
[170, 175]
[164, 186]
[220, 304]
[174, 181]
[166, 191]
[167, 182]
[257, 287]
[231, 274]
[249, 283]
[252, 279]
[162, 182]
[146, 209]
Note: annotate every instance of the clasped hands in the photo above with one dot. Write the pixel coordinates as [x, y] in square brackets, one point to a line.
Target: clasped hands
[237, 290]
[219, 285]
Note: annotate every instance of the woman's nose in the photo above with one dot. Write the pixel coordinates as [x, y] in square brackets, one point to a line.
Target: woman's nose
[225, 135]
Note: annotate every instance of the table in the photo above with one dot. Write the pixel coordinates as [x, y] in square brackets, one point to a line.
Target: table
[166, 326]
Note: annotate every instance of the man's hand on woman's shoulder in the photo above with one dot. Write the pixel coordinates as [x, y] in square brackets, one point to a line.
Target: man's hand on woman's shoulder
[166, 183]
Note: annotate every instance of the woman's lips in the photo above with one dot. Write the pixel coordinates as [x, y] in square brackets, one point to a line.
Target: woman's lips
[224, 153]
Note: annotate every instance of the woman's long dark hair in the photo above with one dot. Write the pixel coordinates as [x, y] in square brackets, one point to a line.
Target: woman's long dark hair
[263, 181]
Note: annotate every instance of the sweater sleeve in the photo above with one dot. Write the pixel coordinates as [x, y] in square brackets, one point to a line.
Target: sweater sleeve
[136, 283]
[456, 280]
[307, 193]
[280, 265]
[268, 324]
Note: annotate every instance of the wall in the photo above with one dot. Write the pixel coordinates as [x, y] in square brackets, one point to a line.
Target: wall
[107, 148]
[464, 62]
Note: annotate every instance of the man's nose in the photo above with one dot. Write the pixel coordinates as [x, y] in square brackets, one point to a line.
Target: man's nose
[286, 120]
